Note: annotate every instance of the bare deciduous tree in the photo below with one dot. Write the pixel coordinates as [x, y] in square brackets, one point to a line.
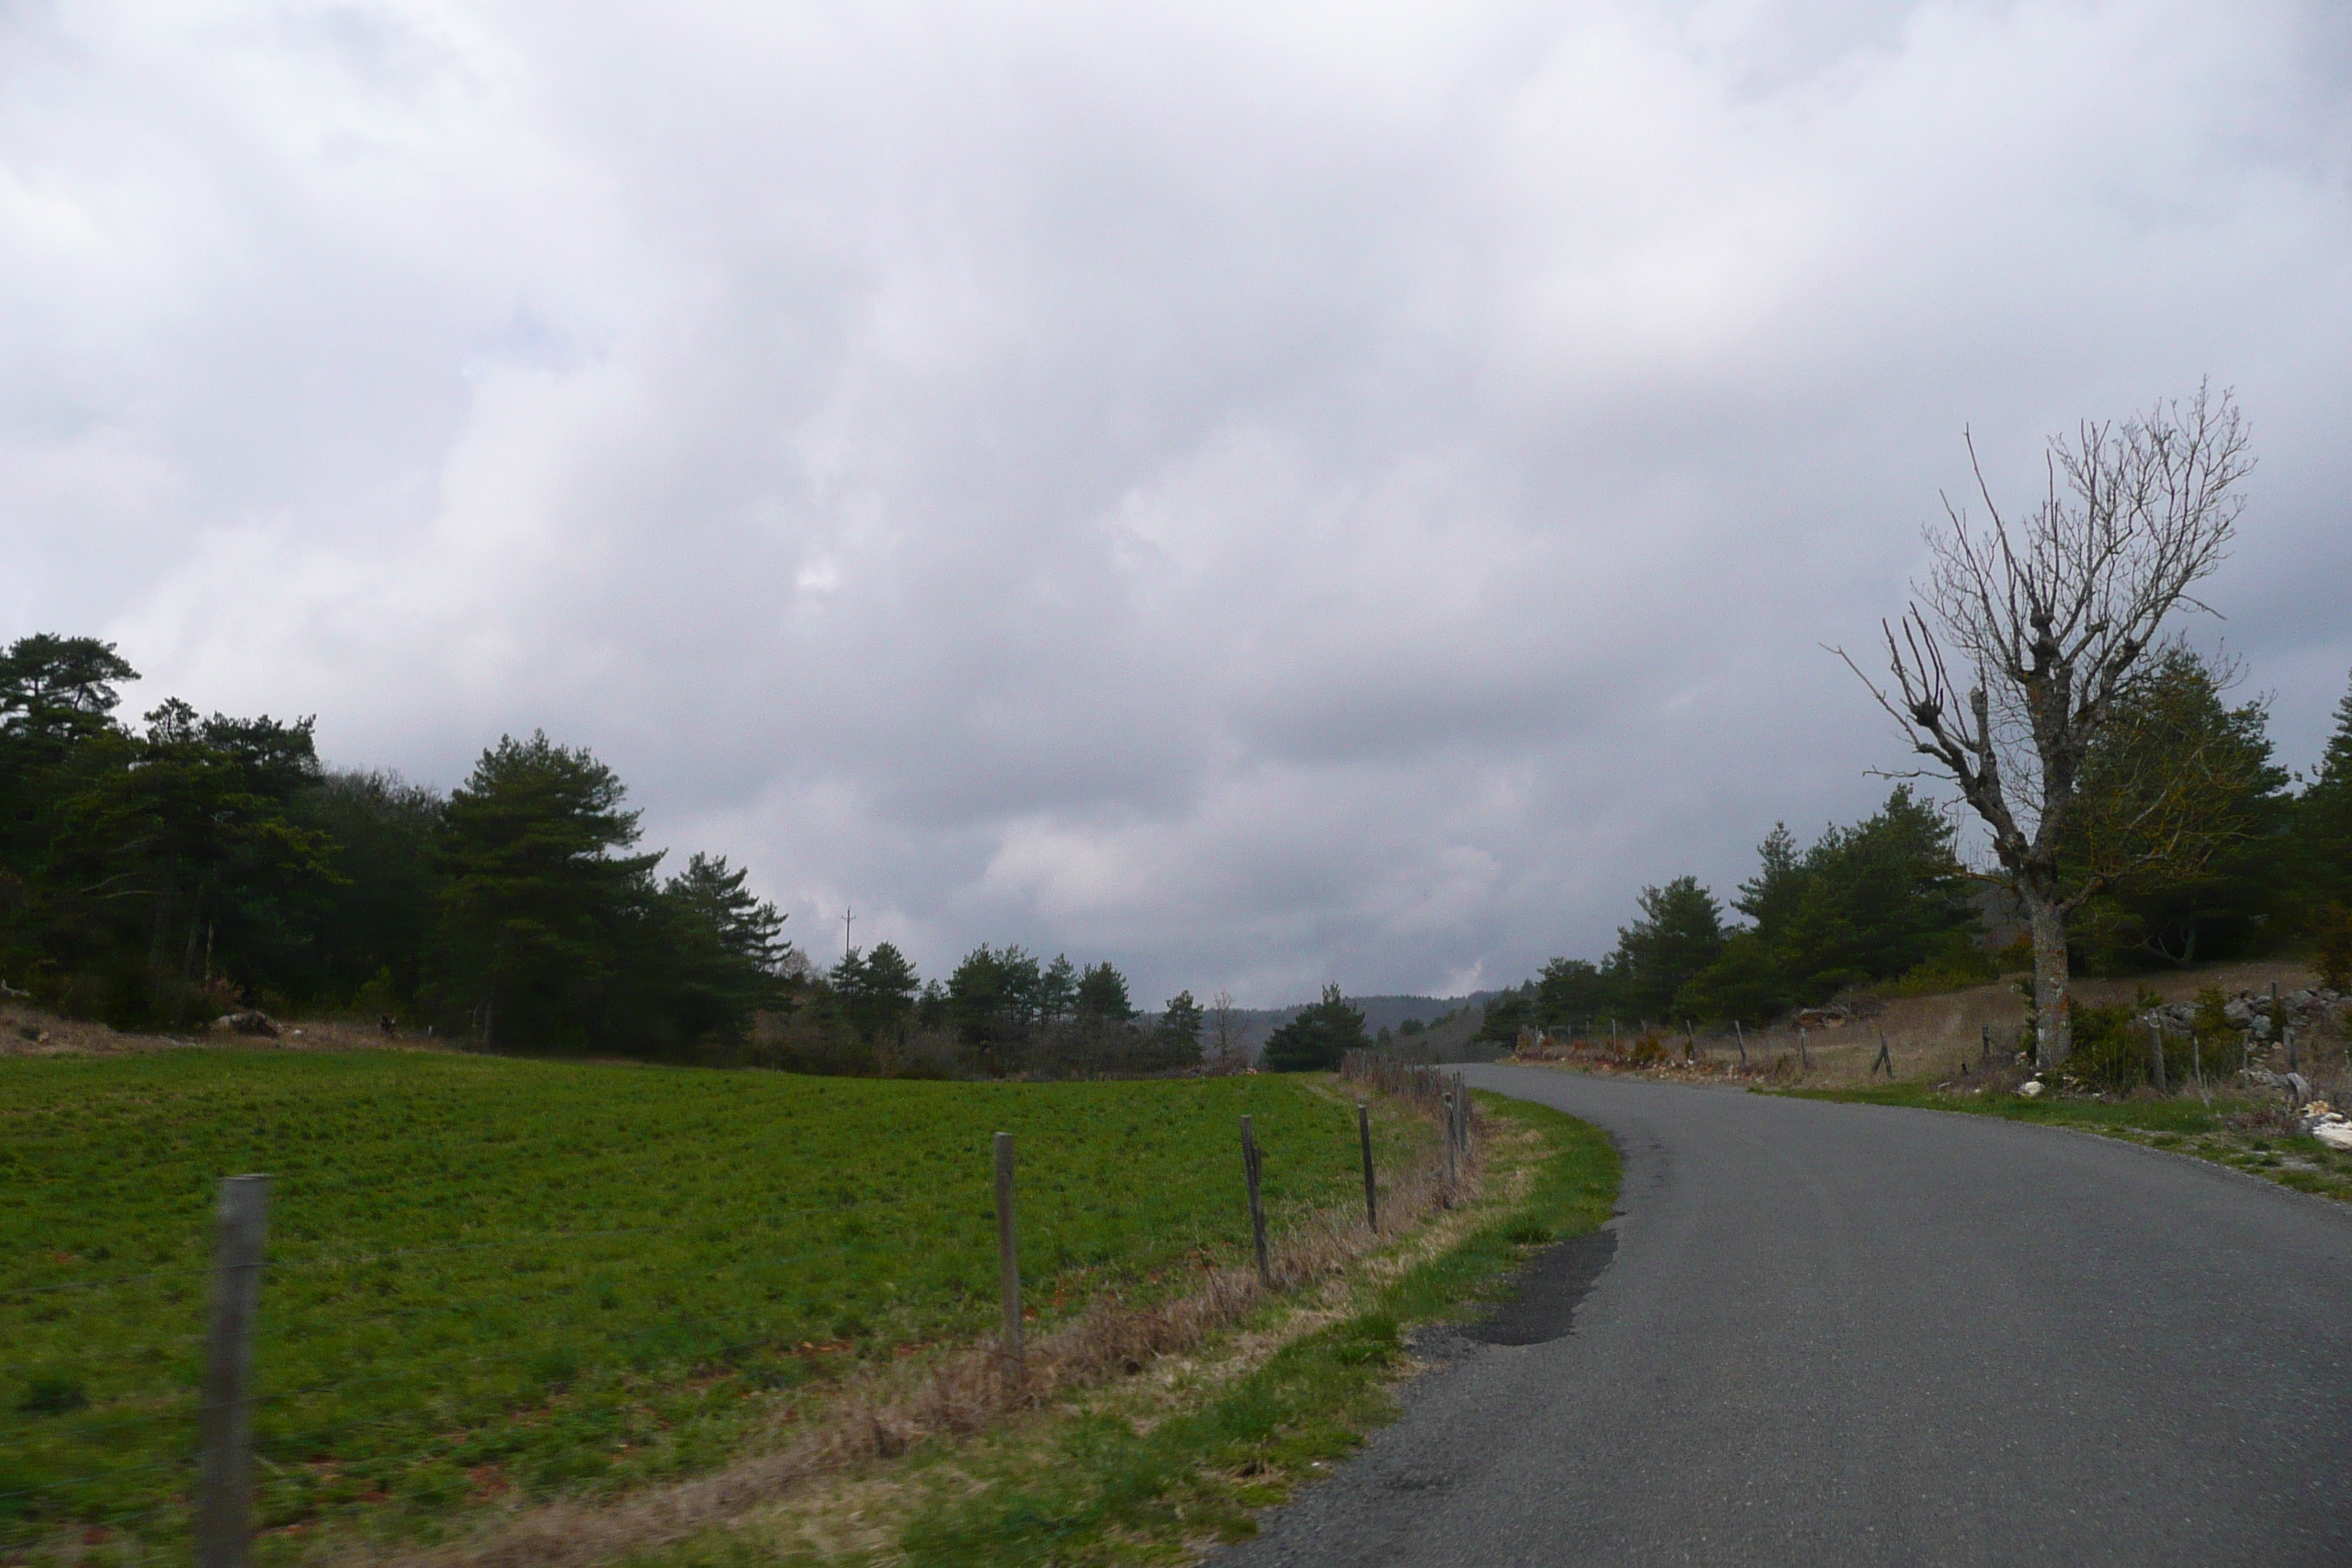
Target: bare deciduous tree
[1223, 1048]
[2044, 617]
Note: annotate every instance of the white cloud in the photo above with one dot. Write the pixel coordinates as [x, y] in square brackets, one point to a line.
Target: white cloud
[1258, 493]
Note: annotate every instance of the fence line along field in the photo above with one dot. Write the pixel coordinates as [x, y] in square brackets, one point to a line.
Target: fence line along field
[493, 1279]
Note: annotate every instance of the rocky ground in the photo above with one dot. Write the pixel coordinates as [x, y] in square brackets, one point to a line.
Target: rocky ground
[29, 1032]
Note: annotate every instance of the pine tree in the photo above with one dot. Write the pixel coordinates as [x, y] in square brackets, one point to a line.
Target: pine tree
[1317, 1039]
[2323, 819]
[543, 912]
[1770, 898]
[1176, 1041]
[2180, 812]
[1679, 934]
[1102, 994]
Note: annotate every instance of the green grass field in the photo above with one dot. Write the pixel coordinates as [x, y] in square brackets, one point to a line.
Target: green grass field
[493, 1277]
[1145, 1471]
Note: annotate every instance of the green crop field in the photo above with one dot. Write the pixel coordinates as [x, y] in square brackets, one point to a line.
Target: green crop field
[494, 1278]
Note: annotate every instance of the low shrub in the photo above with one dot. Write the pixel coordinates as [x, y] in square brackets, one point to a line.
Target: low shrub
[2114, 1051]
[1957, 965]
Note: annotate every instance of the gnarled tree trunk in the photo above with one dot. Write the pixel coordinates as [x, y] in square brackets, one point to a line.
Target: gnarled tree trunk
[2053, 1022]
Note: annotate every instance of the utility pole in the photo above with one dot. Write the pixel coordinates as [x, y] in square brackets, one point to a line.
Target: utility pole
[847, 915]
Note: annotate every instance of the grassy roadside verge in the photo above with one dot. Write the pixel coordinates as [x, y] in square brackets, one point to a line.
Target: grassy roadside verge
[2213, 1132]
[1160, 1465]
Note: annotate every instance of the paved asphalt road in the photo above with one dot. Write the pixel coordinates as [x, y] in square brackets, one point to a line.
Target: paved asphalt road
[1849, 1334]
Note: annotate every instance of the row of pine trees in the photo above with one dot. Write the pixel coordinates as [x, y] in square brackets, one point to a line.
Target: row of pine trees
[160, 875]
[2203, 848]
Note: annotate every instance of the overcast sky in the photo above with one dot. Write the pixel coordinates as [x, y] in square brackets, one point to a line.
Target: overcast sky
[1259, 493]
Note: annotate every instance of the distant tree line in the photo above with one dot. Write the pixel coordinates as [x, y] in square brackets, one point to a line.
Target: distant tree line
[1001, 1010]
[2220, 857]
[159, 875]
[156, 876]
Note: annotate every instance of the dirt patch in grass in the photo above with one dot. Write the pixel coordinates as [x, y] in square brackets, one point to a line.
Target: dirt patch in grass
[29, 1032]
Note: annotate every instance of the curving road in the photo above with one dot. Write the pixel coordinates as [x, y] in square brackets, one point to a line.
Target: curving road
[1839, 1334]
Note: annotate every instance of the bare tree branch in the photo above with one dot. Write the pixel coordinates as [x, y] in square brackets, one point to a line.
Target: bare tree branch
[2050, 612]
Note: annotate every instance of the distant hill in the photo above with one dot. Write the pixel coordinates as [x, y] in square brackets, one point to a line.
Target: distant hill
[1462, 1016]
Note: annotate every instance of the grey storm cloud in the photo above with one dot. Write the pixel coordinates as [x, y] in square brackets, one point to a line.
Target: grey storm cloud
[1260, 493]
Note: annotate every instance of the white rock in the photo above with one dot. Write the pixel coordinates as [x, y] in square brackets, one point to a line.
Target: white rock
[2030, 1088]
[2334, 1134]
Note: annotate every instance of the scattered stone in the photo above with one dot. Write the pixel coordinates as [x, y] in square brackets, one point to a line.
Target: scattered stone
[248, 1021]
[2030, 1088]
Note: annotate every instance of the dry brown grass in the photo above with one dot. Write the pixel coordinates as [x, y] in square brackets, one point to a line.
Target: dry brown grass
[29, 1032]
[881, 1412]
[1928, 1037]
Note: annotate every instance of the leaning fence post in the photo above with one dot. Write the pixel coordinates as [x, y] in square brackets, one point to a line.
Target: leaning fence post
[1371, 1193]
[224, 1529]
[1739, 1030]
[1884, 1058]
[1008, 1261]
[1251, 1162]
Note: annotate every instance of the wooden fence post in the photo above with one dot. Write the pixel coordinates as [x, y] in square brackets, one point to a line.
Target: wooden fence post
[1450, 1156]
[1008, 1262]
[223, 1519]
[1739, 1031]
[1984, 1051]
[1252, 1165]
[1804, 1062]
[1884, 1058]
[2156, 1056]
[1690, 1042]
[1371, 1193]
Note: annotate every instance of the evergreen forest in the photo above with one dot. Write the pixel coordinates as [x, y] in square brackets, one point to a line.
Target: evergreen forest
[164, 874]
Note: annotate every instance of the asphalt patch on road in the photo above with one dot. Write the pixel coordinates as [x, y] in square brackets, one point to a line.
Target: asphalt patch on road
[1549, 1289]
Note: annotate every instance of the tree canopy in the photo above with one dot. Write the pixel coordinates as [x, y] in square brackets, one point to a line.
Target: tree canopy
[1318, 1037]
